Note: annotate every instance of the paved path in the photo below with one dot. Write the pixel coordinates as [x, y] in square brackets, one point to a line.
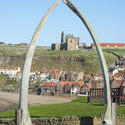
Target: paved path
[10, 100]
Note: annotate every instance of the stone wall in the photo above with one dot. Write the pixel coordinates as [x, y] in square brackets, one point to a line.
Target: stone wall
[74, 120]
[7, 121]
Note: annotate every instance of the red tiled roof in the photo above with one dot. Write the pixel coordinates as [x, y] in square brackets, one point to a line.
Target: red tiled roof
[118, 74]
[49, 84]
[89, 84]
[19, 73]
[80, 83]
[71, 83]
[110, 44]
[9, 68]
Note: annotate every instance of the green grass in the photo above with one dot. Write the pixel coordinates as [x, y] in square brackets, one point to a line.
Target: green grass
[12, 50]
[120, 52]
[62, 60]
[3, 80]
[15, 50]
[78, 107]
[86, 60]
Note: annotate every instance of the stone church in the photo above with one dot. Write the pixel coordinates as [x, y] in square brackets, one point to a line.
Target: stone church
[68, 43]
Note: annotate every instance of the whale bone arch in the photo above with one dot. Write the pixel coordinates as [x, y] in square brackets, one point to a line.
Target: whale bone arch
[23, 98]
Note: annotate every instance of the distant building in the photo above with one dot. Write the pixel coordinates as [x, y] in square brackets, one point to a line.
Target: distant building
[21, 44]
[11, 71]
[68, 43]
[110, 45]
[2, 43]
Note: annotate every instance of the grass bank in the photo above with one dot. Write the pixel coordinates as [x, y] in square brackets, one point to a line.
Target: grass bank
[78, 107]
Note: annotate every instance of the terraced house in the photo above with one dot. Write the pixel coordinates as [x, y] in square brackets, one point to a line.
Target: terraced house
[64, 87]
[110, 45]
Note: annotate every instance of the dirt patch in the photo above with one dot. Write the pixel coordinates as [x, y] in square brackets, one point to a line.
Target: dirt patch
[10, 100]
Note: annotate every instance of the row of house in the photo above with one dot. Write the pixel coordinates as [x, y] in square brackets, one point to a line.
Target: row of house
[110, 45]
[60, 81]
[11, 71]
[65, 87]
[87, 82]
[81, 87]
[47, 75]
[55, 75]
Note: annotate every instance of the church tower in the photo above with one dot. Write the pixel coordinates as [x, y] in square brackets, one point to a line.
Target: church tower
[62, 37]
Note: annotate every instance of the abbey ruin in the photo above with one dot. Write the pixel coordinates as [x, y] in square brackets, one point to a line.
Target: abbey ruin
[68, 42]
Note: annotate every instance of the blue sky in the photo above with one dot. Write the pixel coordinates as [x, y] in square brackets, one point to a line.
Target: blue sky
[19, 19]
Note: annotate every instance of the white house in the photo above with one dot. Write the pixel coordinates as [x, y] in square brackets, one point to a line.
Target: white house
[74, 90]
[10, 71]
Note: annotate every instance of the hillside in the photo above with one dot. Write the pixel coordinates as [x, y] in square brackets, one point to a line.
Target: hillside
[86, 60]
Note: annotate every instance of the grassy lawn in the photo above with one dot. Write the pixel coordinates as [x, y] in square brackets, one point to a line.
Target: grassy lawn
[82, 60]
[78, 107]
[62, 60]
[15, 50]
[120, 52]
[3, 80]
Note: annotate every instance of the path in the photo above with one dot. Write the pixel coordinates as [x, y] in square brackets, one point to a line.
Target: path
[10, 100]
